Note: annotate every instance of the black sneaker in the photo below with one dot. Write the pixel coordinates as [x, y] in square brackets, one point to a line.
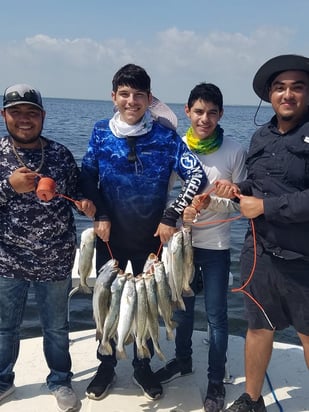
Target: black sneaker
[175, 368]
[214, 401]
[102, 381]
[245, 404]
[146, 380]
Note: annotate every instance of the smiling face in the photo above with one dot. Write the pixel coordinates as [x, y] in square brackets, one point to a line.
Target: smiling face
[131, 103]
[204, 117]
[289, 96]
[24, 122]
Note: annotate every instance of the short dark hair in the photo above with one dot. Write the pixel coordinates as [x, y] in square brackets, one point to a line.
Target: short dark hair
[133, 76]
[207, 92]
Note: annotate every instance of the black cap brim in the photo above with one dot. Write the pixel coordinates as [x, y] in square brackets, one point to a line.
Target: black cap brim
[277, 65]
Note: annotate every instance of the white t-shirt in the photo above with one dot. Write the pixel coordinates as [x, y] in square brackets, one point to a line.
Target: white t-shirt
[228, 162]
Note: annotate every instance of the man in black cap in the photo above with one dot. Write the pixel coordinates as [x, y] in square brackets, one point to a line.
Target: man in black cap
[275, 259]
[37, 241]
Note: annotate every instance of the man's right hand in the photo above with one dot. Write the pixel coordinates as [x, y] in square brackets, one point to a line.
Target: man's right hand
[226, 189]
[23, 180]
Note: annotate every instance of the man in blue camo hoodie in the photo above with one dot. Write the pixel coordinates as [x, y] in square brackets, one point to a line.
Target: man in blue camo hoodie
[127, 172]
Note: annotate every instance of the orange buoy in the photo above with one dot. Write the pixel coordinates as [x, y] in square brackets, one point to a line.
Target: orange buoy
[46, 189]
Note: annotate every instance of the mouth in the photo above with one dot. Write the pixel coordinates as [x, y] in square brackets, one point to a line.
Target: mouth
[132, 110]
[203, 129]
[24, 128]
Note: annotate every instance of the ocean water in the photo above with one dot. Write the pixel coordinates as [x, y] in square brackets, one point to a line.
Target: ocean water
[70, 122]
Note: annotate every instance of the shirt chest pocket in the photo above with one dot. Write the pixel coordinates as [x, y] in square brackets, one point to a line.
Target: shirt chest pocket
[264, 163]
[298, 167]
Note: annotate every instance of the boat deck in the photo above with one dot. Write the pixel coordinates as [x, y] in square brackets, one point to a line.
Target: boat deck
[287, 373]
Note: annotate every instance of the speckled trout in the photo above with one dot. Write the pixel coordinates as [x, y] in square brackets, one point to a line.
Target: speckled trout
[102, 294]
[126, 316]
[112, 317]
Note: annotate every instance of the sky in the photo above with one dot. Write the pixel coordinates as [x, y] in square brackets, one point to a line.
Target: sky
[72, 48]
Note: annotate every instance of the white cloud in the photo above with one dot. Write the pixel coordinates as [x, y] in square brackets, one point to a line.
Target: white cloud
[175, 59]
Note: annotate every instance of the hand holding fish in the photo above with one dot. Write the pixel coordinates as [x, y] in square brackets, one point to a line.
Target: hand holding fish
[191, 212]
[23, 180]
[189, 215]
[102, 229]
[165, 232]
[87, 207]
[226, 189]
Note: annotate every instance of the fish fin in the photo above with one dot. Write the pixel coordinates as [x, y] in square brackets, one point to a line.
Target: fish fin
[98, 335]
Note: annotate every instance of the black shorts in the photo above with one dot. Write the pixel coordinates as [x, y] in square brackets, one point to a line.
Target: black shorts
[280, 286]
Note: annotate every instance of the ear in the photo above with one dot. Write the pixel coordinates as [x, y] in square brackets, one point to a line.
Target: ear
[2, 113]
[150, 98]
[187, 111]
[113, 97]
[221, 114]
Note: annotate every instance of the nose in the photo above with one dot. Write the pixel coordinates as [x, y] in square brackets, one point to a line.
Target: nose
[204, 117]
[288, 93]
[132, 98]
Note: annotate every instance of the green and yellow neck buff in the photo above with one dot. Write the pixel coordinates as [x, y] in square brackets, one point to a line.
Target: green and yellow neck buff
[205, 146]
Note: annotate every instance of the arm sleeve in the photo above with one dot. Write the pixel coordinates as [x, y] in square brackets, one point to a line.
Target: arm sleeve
[288, 208]
[6, 191]
[190, 170]
[89, 179]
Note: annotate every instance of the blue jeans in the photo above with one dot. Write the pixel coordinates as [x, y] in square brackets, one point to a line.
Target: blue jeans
[215, 267]
[52, 301]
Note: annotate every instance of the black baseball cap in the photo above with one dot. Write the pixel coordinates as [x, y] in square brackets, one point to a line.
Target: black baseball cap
[21, 94]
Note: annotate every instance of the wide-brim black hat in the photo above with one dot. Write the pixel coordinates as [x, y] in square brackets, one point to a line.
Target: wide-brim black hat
[275, 66]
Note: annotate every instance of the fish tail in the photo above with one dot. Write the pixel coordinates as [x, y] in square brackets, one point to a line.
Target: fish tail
[121, 353]
[146, 352]
[85, 289]
[187, 292]
[159, 353]
[169, 334]
[181, 304]
[107, 348]
[140, 352]
[173, 324]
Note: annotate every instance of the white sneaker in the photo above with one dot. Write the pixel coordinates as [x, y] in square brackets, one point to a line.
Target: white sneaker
[66, 399]
[7, 392]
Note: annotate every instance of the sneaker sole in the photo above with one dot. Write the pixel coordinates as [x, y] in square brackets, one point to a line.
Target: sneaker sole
[213, 408]
[75, 408]
[94, 397]
[8, 392]
[145, 393]
[176, 376]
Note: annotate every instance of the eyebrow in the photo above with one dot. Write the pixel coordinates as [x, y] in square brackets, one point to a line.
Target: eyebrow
[283, 81]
